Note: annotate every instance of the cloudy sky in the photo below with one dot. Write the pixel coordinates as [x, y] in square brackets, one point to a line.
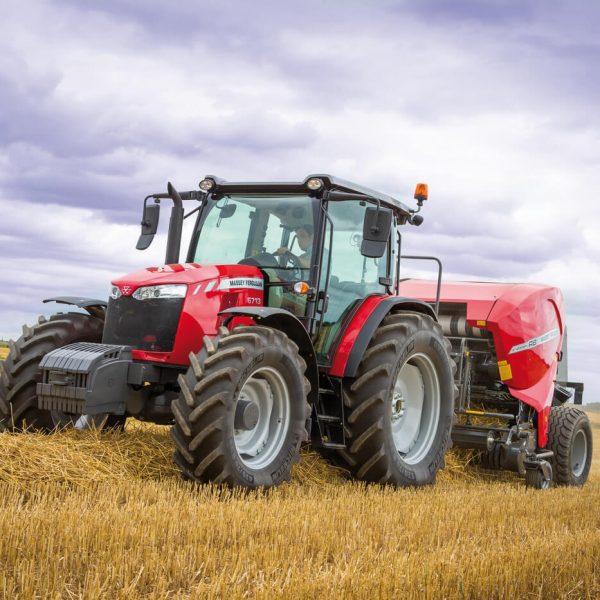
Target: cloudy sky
[494, 104]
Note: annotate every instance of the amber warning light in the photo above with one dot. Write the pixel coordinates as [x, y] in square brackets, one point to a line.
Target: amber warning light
[301, 287]
[421, 192]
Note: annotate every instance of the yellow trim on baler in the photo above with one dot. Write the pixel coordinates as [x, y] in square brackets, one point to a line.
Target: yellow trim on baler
[481, 323]
[505, 370]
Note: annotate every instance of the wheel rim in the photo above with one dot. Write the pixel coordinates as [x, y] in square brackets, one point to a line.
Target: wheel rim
[260, 444]
[579, 453]
[415, 408]
[81, 422]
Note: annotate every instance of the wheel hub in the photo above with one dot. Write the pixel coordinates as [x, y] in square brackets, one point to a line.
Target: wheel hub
[246, 415]
[397, 406]
[579, 453]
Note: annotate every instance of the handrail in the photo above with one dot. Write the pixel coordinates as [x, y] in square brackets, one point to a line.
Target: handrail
[439, 279]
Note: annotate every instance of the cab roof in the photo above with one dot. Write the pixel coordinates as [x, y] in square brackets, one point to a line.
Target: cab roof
[330, 184]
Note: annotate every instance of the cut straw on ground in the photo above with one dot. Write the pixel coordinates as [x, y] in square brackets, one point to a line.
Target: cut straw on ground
[106, 515]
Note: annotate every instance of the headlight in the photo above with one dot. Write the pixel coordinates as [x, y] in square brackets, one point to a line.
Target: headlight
[153, 292]
[115, 292]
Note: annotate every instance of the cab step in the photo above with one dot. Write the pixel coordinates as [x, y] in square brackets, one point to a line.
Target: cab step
[329, 419]
[333, 446]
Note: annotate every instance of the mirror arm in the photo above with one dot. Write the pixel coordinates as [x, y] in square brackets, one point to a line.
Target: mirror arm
[375, 228]
[195, 210]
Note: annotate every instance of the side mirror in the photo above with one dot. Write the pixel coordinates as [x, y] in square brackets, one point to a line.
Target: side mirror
[376, 231]
[149, 225]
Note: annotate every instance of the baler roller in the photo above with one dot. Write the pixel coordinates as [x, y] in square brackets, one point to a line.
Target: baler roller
[457, 326]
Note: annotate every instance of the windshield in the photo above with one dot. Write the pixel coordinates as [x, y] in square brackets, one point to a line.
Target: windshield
[274, 232]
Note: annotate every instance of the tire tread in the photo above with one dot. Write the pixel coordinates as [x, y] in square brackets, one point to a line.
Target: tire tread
[365, 401]
[207, 391]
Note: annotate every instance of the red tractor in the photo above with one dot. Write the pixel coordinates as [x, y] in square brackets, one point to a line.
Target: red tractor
[289, 321]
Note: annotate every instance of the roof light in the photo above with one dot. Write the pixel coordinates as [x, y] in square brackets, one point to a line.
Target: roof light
[314, 184]
[421, 192]
[206, 185]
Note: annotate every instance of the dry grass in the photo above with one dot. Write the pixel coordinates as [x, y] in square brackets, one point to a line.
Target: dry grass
[3, 352]
[90, 515]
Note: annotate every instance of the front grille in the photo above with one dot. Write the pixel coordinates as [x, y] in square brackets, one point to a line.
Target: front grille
[142, 324]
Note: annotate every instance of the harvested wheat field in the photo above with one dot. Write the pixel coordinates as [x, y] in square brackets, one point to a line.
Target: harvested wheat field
[106, 516]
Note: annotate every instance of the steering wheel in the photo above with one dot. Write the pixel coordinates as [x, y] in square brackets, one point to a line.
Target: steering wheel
[283, 259]
[276, 260]
[264, 259]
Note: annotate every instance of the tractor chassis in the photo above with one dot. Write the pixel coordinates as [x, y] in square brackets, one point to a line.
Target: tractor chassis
[94, 378]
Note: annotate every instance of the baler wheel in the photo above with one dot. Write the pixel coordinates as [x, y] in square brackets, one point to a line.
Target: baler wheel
[537, 479]
[570, 438]
[400, 406]
[19, 374]
[242, 411]
[492, 459]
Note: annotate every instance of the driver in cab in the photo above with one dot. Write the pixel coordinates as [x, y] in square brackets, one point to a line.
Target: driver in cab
[304, 236]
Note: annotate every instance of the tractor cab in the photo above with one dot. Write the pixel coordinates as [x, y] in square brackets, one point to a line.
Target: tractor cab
[321, 246]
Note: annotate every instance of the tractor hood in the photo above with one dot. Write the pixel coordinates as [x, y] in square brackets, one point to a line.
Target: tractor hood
[188, 274]
[167, 328]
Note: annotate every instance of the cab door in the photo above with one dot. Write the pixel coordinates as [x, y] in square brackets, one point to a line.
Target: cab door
[352, 276]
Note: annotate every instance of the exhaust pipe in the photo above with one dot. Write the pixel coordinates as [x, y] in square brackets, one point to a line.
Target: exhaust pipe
[175, 226]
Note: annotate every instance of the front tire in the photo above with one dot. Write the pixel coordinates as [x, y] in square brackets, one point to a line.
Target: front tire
[400, 406]
[241, 415]
[570, 438]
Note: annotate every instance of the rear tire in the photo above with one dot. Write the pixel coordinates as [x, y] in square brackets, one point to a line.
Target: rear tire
[570, 438]
[242, 412]
[400, 406]
[19, 373]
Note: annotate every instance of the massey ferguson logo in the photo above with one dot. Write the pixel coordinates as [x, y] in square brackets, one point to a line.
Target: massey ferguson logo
[252, 283]
[125, 290]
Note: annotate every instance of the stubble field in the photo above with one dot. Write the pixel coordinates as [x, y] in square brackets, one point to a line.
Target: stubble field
[106, 516]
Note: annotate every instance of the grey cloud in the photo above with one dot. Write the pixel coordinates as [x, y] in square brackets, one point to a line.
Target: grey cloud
[499, 94]
[490, 12]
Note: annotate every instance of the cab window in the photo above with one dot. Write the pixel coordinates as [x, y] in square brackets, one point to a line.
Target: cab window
[352, 276]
